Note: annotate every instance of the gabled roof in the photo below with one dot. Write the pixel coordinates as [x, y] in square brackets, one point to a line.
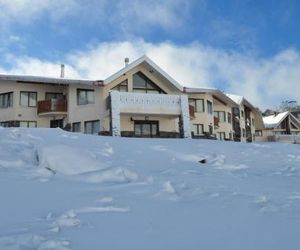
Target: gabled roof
[273, 121]
[216, 92]
[240, 100]
[149, 62]
[48, 80]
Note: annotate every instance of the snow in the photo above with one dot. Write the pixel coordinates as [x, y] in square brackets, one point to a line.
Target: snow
[273, 121]
[61, 190]
[236, 98]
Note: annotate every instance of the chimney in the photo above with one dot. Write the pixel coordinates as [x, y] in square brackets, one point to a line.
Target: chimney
[126, 61]
[62, 71]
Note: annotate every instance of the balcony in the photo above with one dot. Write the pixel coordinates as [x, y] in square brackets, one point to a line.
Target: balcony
[139, 103]
[192, 111]
[52, 107]
[216, 121]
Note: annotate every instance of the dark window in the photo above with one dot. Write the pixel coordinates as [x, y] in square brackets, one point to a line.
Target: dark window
[209, 107]
[122, 87]
[28, 99]
[242, 113]
[252, 122]
[28, 124]
[221, 115]
[6, 100]
[52, 95]
[142, 84]
[258, 132]
[146, 128]
[85, 96]
[197, 129]
[221, 135]
[91, 127]
[198, 104]
[76, 127]
[229, 116]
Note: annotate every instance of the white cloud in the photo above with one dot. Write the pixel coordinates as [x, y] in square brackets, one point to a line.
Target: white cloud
[265, 82]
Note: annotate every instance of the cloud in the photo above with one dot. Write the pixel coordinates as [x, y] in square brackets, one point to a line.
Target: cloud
[264, 81]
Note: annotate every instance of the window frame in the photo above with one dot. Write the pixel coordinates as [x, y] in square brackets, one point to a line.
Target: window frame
[193, 102]
[76, 123]
[27, 124]
[93, 122]
[86, 91]
[217, 114]
[53, 93]
[146, 89]
[209, 107]
[28, 98]
[197, 126]
[229, 117]
[10, 100]
[121, 84]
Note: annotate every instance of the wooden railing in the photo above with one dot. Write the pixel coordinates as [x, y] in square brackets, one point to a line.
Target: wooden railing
[53, 105]
[192, 111]
[216, 121]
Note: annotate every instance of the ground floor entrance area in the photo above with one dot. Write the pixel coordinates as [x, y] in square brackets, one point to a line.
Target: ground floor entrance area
[146, 128]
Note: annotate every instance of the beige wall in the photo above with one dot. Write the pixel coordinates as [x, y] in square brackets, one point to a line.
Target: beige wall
[20, 113]
[88, 112]
[202, 117]
[224, 127]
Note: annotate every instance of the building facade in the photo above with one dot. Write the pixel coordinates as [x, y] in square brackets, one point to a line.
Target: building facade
[140, 100]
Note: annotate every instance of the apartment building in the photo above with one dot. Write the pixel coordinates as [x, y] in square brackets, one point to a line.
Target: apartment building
[210, 113]
[140, 100]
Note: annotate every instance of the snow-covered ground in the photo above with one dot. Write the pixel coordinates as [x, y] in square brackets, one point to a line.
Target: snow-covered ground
[61, 190]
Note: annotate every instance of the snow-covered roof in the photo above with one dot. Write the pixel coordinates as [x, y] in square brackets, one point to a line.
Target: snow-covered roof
[272, 121]
[148, 61]
[241, 100]
[216, 92]
[51, 80]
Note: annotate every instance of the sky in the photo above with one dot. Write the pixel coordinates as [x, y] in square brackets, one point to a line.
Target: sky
[244, 47]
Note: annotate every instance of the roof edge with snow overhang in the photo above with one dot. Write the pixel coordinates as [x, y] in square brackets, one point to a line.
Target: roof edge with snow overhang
[48, 80]
[139, 61]
[214, 91]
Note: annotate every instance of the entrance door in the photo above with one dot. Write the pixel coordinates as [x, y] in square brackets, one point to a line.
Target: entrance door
[146, 128]
[56, 123]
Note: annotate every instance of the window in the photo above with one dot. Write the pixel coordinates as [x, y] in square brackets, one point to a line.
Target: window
[76, 127]
[6, 100]
[221, 115]
[210, 128]
[28, 124]
[28, 99]
[258, 132]
[244, 132]
[252, 122]
[85, 96]
[142, 84]
[122, 87]
[221, 135]
[229, 117]
[146, 128]
[197, 129]
[198, 104]
[56, 96]
[209, 107]
[242, 113]
[92, 127]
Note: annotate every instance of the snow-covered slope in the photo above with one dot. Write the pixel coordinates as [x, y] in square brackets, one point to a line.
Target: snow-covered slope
[63, 190]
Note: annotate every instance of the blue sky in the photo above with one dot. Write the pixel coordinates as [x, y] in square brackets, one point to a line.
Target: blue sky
[245, 47]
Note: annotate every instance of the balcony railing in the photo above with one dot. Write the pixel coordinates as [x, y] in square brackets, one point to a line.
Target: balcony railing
[192, 111]
[52, 106]
[216, 121]
[140, 103]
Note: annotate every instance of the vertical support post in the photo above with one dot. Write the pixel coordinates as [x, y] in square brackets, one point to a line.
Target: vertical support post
[185, 116]
[115, 113]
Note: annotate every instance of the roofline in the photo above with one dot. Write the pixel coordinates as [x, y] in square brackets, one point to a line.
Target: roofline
[48, 80]
[210, 90]
[136, 63]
